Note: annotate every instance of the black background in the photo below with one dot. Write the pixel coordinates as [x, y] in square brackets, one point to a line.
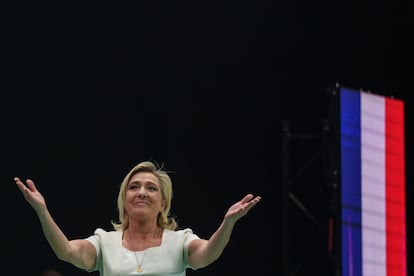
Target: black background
[91, 89]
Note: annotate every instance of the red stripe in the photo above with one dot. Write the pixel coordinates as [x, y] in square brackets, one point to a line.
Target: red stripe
[395, 188]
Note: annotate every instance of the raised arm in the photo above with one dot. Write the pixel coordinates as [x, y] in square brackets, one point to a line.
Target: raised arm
[79, 252]
[203, 252]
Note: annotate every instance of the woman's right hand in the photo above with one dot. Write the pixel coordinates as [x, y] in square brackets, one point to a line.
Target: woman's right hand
[31, 194]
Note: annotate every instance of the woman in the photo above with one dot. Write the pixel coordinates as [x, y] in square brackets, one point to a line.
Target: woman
[145, 241]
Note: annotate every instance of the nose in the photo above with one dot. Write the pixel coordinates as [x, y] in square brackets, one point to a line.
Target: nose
[142, 192]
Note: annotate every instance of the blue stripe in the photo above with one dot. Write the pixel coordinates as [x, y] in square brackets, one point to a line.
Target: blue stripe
[350, 124]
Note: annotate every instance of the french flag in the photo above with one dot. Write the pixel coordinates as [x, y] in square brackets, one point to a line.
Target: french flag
[372, 185]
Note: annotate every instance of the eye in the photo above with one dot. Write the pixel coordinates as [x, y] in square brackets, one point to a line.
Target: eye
[133, 186]
[152, 188]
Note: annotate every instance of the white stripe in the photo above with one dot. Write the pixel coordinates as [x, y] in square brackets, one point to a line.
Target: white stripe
[373, 184]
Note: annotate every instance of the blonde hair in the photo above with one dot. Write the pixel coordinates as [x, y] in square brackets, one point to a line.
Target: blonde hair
[164, 220]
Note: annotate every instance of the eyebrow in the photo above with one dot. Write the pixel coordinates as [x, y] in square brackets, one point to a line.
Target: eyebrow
[139, 182]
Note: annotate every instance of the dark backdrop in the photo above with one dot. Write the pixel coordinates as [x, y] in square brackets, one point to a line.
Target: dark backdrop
[91, 89]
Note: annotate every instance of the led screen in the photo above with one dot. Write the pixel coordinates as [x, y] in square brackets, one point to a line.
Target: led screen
[373, 227]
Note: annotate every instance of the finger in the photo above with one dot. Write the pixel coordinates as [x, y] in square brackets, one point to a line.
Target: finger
[247, 198]
[257, 199]
[31, 185]
[253, 202]
[20, 184]
[250, 199]
[16, 179]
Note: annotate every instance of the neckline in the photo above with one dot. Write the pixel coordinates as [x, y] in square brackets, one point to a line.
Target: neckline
[161, 243]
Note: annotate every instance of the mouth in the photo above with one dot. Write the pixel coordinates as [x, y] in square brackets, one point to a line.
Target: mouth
[140, 203]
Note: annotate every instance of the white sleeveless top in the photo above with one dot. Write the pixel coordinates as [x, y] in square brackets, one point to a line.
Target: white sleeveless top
[169, 258]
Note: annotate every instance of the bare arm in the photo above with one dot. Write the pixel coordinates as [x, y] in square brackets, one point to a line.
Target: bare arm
[203, 252]
[79, 252]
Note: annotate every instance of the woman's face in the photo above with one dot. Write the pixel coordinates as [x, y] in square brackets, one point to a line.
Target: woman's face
[143, 198]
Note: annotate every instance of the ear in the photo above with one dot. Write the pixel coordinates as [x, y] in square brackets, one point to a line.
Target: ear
[163, 205]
